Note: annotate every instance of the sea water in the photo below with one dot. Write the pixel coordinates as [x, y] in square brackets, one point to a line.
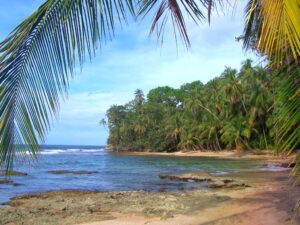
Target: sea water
[115, 172]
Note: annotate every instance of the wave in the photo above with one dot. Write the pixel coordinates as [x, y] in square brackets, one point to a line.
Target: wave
[274, 168]
[270, 167]
[70, 151]
[52, 152]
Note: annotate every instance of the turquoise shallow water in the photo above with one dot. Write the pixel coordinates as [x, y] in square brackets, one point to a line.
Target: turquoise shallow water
[115, 172]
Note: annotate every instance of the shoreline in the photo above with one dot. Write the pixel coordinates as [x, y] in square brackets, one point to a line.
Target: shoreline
[254, 197]
[270, 200]
[267, 156]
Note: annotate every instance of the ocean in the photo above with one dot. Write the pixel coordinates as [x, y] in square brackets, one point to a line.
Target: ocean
[114, 172]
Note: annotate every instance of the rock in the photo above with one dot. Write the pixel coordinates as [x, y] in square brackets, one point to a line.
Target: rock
[212, 182]
[216, 184]
[12, 173]
[226, 183]
[197, 177]
[288, 164]
[163, 176]
[228, 180]
[180, 188]
[5, 181]
[237, 185]
[161, 189]
[78, 172]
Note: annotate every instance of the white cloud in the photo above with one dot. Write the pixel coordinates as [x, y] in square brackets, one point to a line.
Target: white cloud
[133, 61]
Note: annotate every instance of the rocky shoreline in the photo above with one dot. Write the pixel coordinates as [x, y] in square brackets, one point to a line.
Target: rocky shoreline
[212, 181]
[76, 207]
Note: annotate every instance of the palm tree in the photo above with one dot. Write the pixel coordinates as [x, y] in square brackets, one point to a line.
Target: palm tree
[38, 58]
[236, 134]
[273, 29]
[139, 100]
[174, 127]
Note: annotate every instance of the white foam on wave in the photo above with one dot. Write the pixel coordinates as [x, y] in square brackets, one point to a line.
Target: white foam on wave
[52, 151]
[92, 150]
[274, 168]
[73, 150]
[70, 151]
[220, 173]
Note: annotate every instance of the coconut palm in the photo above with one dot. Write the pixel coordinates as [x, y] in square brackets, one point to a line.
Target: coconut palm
[273, 29]
[236, 133]
[38, 58]
[138, 100]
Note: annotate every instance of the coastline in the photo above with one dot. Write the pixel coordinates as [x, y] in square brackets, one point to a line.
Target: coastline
[268, 198]
[265, 155]
[269, 204]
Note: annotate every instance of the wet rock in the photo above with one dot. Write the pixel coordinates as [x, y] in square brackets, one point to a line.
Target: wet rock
[228, 180]
[12, 173]
[237, 185]
[216, 184]
[197, 177]
[5, 181]
[180, 188]
[212, 182]
[288, 164]
[161, 189]
[163, 176]
[78, 172]
[226, 183]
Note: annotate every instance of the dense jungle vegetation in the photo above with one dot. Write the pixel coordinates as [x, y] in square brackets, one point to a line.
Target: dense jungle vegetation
[236, 110]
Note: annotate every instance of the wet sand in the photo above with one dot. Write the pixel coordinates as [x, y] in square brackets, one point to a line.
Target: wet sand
[268, 156]
[270, 200]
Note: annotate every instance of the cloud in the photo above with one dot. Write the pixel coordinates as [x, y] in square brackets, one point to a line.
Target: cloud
[134, 61]
[80, 115]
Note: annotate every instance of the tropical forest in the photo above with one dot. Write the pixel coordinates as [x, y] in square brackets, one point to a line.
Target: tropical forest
[236, 110]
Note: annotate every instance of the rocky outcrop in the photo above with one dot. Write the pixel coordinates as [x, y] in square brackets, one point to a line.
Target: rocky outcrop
[288, 164]
[198, 177]
[5, 181]
[212, 181]
[12, 173]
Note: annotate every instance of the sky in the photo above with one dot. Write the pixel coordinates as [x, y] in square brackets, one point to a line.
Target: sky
[132, 60]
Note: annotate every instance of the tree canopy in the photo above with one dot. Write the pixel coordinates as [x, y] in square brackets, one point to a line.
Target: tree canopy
[236, 110]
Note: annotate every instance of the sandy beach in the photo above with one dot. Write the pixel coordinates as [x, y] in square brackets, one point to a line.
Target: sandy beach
[264, 155]
[260, 198]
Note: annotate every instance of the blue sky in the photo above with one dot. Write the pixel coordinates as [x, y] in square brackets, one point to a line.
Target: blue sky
[132, 60]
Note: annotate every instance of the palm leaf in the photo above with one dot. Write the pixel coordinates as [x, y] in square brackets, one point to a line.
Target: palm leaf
[176, 11]
[289, 115]
[36, 62]
[253, 24]
[38, 58]
[275, 26]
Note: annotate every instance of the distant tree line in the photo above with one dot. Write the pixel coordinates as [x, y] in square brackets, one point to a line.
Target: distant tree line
[236, 110]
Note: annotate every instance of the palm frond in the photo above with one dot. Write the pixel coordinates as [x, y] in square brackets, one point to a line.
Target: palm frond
[36, 62]
[275, 25]
[289, 115]
[175, 11]
[253, 24]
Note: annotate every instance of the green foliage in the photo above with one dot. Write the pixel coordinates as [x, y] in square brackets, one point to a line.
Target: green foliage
[237, 110]
[36, 62]
[38, 58]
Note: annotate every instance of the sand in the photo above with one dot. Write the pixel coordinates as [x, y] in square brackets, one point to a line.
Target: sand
[271, 199]
[266, 155]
